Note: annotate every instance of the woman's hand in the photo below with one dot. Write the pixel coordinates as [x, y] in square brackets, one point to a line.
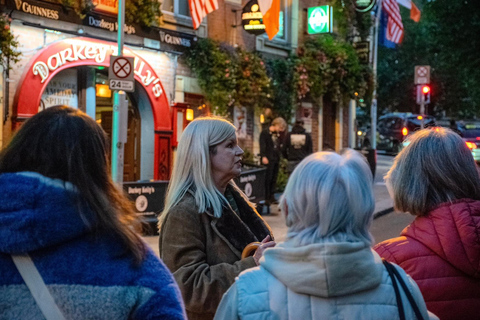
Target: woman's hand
[266, 243]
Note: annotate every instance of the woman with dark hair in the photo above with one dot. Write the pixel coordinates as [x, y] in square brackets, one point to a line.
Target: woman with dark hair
[436, 179]
[60, 210]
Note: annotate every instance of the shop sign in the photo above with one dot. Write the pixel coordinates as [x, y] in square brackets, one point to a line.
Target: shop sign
[108, 6]
[62, 90]
[364, 5]
[176, 41]
[40, 9]
[320, 20]
[97, 53]
[110, 24]
[252, 18]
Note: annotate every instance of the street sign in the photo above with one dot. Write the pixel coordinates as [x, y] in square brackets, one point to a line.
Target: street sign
[422, 74]
[121, 73]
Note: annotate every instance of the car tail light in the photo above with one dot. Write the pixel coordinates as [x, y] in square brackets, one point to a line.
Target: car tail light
[471, 145]
[404, 131]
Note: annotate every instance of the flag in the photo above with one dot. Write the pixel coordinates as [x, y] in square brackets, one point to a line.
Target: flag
[394, 24]
[200, 8]
[382, 31]
[271, 16]
[414, 11]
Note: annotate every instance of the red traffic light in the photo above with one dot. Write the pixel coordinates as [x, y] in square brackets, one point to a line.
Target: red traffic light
[425, 89]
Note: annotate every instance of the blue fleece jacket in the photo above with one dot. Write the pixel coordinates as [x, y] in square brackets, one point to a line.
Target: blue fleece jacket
[88, 274]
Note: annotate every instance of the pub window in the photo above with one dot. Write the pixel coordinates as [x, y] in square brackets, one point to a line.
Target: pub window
[177, 7]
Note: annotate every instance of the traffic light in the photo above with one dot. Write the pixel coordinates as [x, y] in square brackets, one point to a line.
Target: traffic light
[426, 94]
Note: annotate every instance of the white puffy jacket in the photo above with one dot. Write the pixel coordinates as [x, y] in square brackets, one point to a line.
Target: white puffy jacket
[318, 281]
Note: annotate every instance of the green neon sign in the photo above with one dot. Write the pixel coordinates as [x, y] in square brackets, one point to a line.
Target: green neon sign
[319, 19]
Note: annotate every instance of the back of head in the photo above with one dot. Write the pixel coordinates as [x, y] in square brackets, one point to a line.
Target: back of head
[64, 143]
[434, 168]
[329, 198]
[192, 168]
[280, 123]
[60, 143]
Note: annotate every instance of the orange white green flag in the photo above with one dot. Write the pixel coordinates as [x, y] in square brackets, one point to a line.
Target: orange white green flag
[270, 10]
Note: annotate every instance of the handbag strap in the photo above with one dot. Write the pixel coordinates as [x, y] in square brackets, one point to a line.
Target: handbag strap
[37, 287]
[395, 275]
[401, 312]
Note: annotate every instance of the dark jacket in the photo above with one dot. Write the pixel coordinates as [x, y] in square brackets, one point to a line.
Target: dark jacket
[88, 273]
[204, 252]
[270, 145]
[298, 144]
[441, 252]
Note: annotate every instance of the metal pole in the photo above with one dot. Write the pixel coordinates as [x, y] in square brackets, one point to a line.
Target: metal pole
[117, 144]
[422, 110]
[373, 108]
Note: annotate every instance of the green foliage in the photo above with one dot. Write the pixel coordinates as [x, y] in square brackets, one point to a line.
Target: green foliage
[329, 67]
[281, 71]
[229, 77]
[144, 12]
[9, 53]
[348, 21]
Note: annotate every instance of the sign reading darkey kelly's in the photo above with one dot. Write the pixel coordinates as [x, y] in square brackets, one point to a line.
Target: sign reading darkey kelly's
[74, 52]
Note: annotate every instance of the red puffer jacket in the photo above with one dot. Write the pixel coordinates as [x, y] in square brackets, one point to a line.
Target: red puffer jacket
[441, 252]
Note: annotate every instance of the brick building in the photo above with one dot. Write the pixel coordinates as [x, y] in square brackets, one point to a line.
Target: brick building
[65, 60]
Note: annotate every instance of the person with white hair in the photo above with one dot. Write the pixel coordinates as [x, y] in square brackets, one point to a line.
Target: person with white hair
[208, 221]
[435, 178]
[326, 268]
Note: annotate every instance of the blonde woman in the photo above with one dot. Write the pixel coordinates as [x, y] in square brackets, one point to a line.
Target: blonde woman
[207, 220]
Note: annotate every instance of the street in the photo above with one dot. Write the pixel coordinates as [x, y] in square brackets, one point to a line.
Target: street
[385, 226]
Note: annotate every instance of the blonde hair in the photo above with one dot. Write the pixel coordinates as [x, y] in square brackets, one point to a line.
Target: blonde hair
[192, 169]
[329, 199]
[434, 168]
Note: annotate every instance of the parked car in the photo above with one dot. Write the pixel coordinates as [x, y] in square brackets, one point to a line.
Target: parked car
[393, 128]
[469, 130]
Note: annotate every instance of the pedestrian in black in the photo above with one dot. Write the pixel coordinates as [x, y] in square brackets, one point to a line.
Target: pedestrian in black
[298, 145]
[271, 146]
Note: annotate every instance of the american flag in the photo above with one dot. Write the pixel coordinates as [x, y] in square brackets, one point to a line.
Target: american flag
[200, 8]
[394, 24]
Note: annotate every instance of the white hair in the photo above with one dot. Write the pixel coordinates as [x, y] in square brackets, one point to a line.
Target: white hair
[329, 198]
[192, 168]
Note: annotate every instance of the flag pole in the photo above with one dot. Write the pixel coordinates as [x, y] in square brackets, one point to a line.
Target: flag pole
[373, 107]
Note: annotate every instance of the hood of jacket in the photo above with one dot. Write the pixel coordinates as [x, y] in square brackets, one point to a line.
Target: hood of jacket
[325, 269]
[452, 231]
[37, 212]
[298, 129]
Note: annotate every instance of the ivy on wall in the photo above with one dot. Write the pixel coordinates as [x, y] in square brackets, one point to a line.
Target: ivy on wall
[229, 77]
[9, 53]
[329, 67]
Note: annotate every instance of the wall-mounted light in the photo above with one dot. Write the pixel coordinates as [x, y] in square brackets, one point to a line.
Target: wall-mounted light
[103, 91]
[189, 116]
[262, 118]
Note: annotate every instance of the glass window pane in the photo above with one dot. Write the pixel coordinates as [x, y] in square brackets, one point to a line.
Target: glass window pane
[167, 5]
[281, 31]
[183, 8]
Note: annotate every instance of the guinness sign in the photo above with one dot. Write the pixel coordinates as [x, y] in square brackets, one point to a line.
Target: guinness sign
[252, 18]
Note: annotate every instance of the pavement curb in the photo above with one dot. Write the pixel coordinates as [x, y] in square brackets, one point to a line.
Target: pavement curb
[382, 213]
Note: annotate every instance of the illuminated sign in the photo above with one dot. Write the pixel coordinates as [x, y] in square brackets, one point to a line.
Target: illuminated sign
[364, 5]
[252, 18]
[320, 19]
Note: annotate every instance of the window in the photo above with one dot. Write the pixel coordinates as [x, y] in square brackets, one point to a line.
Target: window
[177, 7]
